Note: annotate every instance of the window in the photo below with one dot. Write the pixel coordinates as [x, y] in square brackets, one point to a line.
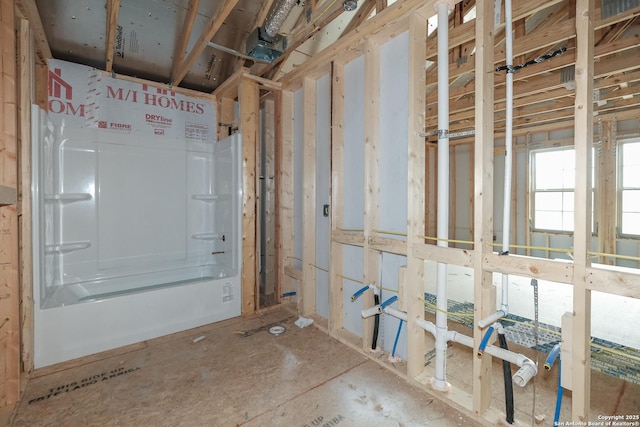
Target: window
[553, 182]
[629, 219]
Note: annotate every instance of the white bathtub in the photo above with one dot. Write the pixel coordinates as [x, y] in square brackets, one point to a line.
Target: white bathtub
[134, 238]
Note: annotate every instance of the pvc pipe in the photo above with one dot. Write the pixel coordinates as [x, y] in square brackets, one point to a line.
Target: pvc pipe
[508, 165]
[552, 356]
[372, 311]
[389, 302]
[508, 145]
[396, 313]
[491, 319]
[440, 377]
[460, 338]
[527, 369]
[525, 373]
[426, 325]
[395, 342]
[359, 292]
[507, 355]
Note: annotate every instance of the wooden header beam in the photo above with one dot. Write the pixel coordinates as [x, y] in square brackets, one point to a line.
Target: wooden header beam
[27, 9]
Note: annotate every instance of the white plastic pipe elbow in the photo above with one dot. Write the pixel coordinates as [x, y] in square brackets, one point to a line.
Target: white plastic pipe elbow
[372, 311]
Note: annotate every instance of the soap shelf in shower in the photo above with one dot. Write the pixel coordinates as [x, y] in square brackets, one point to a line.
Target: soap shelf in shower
[62, 248]
[210, 197]
[67, 197]
[208, 236]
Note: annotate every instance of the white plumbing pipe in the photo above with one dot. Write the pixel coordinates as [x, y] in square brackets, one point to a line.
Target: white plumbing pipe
[460, 339]
[527, 370]
[395, 313]
[508, 167]
[371, 311]
[489, 320]
[508, 157]
[426, 325]
[440, 375]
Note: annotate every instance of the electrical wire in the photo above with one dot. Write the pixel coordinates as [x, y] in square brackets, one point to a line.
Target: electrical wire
[451, 313]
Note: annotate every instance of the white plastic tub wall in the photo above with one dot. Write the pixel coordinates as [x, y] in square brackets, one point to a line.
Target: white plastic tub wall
[138, 238]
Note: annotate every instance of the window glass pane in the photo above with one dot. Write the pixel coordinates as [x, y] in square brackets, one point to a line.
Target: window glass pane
[567, 201]
[631, 153]
[630, 175]
[548, 175]
[547, 220]
[631, 223]
[555, 169]
[631, 201]
[567, 221]
[568, 179]
[551, 201]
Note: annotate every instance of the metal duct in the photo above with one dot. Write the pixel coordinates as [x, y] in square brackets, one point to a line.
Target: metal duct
[277, 16]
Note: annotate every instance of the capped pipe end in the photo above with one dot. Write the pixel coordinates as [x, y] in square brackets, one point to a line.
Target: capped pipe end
[525, 373]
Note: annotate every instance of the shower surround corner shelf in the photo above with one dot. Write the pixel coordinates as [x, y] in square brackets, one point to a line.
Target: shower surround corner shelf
[68, 197]
[62, 248]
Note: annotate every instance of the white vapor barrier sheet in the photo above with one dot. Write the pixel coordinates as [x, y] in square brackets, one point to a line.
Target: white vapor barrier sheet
[353, 181]
[393, 144]
[323, 192]
[81, 96]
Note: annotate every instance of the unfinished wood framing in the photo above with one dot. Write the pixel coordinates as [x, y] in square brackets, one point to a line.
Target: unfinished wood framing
[284, 184]
[481, 110]
[25, 218]
[308, 285]
[483, 289]
[267, 202]
[9, 258]
[248, 98]
[207, 35]
[540, 101]
[113, 10]
[412, 297]
[371, 266]
[28, 10]
[336, 294]
[183, 41]
[583, 131]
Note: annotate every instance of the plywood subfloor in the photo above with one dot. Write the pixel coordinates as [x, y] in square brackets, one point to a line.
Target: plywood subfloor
[237, 375]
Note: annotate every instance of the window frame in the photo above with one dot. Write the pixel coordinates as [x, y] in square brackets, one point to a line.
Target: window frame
[533, 191]
[620, 188]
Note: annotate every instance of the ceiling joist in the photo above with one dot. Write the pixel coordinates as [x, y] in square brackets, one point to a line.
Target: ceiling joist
[209, 32]
[361, 15]
[113, 9]
[181, 45]
[320, 19]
